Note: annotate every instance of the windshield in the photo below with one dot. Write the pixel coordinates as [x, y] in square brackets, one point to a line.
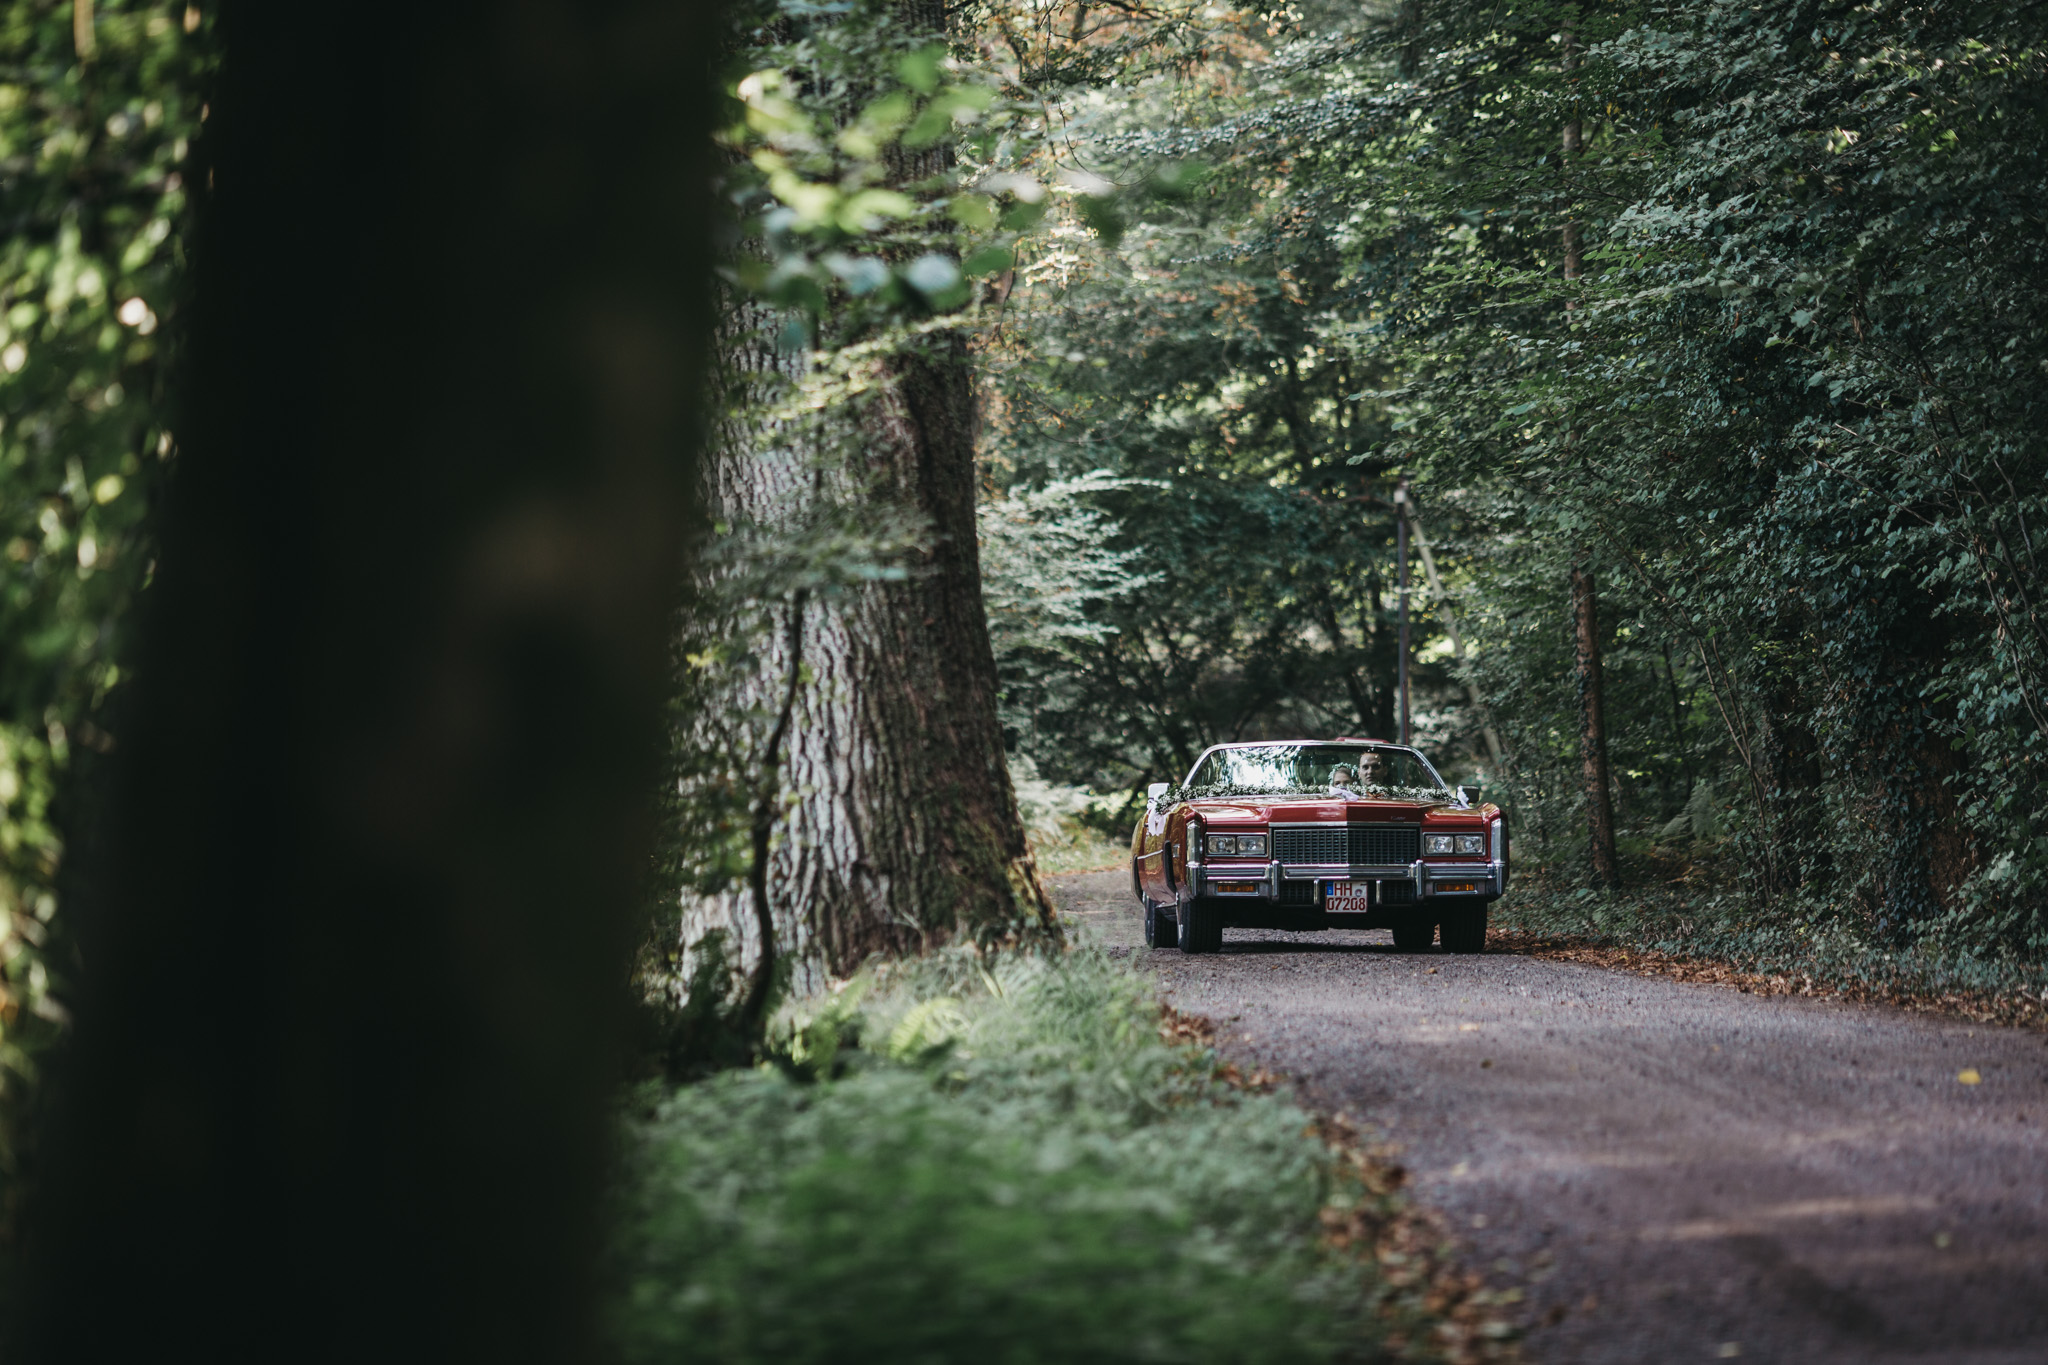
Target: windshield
[1353, 770]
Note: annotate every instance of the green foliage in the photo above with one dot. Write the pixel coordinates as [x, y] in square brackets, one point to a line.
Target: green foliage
[873, 171]
[95, 164]
[1787, 414]
[1071, 828]
[1820, 951]
[1227, 385]
[881, 184]
[955, 1162]
[1792, 420]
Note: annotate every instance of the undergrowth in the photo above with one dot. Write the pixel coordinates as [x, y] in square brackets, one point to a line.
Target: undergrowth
[995, 1160]
[1828, 954]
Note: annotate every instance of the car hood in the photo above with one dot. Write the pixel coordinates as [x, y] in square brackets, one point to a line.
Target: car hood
[1292, 809]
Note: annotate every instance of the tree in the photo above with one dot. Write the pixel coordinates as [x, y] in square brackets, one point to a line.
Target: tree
[1593, 730]
[349, 994]
[870, 738]
[96, 194]
[1776, 376]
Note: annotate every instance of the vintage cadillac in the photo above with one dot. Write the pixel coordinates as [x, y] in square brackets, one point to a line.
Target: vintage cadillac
[1317, 834]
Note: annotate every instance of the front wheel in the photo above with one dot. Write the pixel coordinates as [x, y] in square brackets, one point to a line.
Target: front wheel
[1465, 929]
[1201, 928]
[1160, 931]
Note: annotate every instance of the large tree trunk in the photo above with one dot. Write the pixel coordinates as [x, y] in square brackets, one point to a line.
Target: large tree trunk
[901, 829]
[350, 994]
[1593, 731]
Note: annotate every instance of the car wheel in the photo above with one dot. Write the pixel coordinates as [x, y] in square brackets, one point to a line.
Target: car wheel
[1199, 930]
[1414, 937]
[1160, 932]
[1465, 930]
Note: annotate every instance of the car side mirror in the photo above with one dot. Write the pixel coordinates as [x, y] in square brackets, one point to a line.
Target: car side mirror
[1155, 791]
[1469, 795]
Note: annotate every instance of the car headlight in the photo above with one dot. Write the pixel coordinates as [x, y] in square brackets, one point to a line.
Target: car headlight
[1251, 845]
[1436, 843]
[1471, 843]
[1224, 844]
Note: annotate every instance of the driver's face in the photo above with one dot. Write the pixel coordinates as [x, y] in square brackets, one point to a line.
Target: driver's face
[1368, 767]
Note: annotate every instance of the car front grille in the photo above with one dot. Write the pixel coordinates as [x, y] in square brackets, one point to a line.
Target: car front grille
[1349, 845]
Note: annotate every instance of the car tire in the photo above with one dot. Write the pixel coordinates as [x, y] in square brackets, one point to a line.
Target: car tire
[1160, 932]
[1415, 937]
[1201, 928]
[1465, 929]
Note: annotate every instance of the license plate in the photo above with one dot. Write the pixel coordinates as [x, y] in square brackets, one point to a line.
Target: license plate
[1348, 898]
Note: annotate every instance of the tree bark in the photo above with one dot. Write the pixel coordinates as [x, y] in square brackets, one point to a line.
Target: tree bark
[1585, 610]
[351, 998]
[1574, 143]
[1788, 755]
[901, 829]
[1593, 732]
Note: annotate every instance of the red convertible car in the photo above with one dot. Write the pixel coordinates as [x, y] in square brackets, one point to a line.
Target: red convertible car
[1317, 834]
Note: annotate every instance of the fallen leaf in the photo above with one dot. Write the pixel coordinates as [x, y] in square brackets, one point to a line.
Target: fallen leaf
[1968, 1076]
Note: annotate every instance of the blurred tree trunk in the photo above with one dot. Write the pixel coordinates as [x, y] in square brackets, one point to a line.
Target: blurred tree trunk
[350, 988]
[902, 828]
[1593, 731]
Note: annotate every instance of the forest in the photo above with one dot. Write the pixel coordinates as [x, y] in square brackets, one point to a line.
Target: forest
[532, 557]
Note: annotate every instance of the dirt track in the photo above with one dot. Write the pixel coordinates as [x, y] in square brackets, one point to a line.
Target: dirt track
[1673, 1172]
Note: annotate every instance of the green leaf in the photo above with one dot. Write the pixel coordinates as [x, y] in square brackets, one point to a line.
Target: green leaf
[993, 260]
[1102, 215]
[920, 69]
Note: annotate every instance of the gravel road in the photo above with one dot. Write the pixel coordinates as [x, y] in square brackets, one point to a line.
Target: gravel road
[1672, 1172]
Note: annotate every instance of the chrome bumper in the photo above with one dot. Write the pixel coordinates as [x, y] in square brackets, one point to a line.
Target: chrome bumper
[1488, 878]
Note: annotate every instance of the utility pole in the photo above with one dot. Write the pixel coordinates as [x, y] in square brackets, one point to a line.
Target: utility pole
[1401, 554]
[1406, 505]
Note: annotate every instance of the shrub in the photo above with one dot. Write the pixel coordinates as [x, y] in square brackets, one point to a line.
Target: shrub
[953, 1163]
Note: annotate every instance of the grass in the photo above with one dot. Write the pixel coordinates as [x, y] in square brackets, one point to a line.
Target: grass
[1006, 1161]
[1078, 849]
